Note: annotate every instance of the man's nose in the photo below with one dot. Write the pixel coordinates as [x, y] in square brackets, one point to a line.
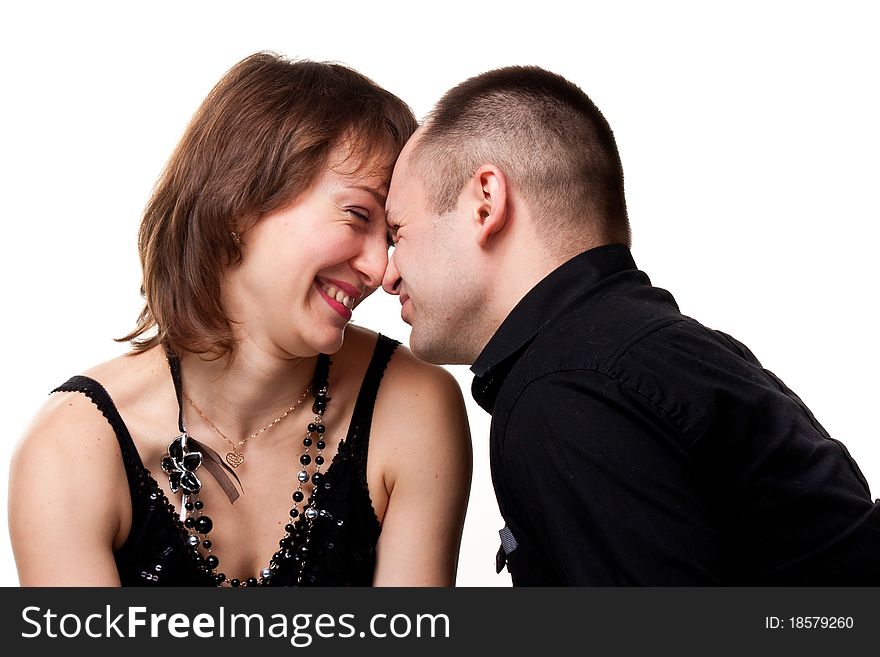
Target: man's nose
[391, 280]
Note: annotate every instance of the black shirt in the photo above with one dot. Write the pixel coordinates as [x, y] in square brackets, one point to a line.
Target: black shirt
[631, 445]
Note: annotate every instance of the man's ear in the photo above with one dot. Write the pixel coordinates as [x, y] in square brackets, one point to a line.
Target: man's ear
[487, 192]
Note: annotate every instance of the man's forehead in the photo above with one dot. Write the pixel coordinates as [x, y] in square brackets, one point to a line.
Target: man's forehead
[413, 141]
[394, 200]
[405, 182]
[404, 160]
[389, 216]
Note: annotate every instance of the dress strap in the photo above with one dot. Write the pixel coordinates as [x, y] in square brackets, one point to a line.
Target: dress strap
[134, 467]
[358, 438]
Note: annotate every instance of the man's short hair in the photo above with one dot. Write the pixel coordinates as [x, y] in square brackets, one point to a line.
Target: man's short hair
[551, 141]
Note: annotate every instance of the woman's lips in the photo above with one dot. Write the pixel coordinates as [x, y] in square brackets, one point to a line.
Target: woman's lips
[349, 289]
[333, 303]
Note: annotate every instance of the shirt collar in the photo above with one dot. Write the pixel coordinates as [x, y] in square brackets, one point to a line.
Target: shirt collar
[551, 297]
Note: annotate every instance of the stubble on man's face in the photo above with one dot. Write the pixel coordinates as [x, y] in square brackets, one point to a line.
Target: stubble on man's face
[447, 297]
[432, 262]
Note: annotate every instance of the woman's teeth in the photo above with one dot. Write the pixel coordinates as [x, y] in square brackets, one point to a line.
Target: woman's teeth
[339, 295]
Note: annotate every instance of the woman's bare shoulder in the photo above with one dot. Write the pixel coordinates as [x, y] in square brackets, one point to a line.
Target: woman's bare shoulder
[70, 422]
[131, 376]
[416, 378]
[69, 460]
[411, 390]
[67, 423]
[418, 395]
[421, 445]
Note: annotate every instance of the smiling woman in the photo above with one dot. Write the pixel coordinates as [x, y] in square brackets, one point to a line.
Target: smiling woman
[251, 436]
[332, 242]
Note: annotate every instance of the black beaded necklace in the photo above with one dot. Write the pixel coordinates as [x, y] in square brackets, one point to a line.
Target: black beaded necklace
[185, 456]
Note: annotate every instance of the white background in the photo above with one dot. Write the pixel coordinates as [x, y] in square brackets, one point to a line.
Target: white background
[749, 138]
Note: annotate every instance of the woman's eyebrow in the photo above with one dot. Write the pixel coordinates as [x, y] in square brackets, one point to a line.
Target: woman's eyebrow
[375, 193]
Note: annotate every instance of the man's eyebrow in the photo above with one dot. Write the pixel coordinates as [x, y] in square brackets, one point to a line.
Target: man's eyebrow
[375, 193]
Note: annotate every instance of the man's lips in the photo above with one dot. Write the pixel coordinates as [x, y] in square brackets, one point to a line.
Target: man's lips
[403, 311]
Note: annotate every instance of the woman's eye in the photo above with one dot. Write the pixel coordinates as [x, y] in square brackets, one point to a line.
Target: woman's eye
[360, 214]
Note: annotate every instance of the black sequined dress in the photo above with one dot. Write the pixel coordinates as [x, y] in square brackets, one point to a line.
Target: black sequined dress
[342, 542]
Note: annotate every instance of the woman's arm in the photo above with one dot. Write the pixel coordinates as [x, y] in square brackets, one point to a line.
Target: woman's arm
[67, 485]
[428, 474]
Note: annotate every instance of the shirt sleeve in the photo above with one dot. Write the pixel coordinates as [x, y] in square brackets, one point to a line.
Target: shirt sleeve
[598, 488]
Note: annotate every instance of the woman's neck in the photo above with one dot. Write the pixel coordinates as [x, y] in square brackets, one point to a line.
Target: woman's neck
[245, 391]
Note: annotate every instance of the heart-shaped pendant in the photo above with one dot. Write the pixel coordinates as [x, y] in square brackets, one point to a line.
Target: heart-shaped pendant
[234, 459]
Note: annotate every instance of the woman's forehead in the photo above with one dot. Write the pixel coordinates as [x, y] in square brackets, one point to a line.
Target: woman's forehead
[361, 164]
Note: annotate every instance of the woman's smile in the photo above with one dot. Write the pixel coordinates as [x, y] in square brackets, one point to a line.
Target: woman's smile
[336, 299]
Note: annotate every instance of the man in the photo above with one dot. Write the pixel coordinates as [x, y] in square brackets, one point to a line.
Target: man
[629, 443]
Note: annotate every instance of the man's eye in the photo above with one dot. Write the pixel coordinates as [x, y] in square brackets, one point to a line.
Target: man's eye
[391, 236]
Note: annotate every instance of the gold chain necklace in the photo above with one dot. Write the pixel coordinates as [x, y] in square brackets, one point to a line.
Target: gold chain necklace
[236, 457]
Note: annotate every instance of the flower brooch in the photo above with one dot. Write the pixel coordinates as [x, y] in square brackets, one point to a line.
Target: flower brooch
[180, 465]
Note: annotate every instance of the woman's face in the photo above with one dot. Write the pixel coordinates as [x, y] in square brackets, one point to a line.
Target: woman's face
[306, 267]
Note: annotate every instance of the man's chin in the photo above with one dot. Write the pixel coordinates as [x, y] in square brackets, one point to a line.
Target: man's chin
[423, 349]
[436, 352]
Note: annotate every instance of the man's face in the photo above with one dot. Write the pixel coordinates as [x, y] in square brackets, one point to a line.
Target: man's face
[432, 268]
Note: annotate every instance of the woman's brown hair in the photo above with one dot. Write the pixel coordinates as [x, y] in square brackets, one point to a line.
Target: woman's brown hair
[257, 142]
